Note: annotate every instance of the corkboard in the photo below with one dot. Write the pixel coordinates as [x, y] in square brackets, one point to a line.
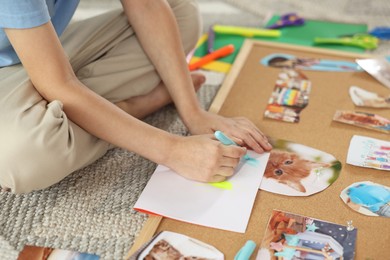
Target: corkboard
[245, 92]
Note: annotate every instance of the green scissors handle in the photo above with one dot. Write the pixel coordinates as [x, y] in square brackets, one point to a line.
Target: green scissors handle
[364, 41]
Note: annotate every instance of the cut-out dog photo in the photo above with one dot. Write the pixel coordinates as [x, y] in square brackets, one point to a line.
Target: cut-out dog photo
[298, 170]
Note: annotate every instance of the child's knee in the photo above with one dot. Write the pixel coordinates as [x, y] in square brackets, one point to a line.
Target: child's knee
[189, 20]
[40, 147]
[26, 166]
[31, 161]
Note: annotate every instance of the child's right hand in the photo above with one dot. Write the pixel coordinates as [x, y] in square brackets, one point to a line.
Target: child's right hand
[202, 158]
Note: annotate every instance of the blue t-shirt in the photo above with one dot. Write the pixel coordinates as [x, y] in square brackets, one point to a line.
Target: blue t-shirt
[21, 14]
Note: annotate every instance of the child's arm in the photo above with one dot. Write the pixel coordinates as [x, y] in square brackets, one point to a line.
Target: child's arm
[47, 65]
[157, 30]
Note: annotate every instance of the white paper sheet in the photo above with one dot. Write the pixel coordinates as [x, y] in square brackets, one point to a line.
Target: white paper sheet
[369, 152]
[170, 195]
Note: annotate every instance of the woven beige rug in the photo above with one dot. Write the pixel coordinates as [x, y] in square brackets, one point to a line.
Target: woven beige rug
[91, 210]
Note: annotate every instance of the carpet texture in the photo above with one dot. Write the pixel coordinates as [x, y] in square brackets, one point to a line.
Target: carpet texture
[91, 210]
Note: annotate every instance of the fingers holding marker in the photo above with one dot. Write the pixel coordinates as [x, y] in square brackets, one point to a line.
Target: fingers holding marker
[217, 178]
[223, 173]
[233, 151]
[231, 155]
[231, 162]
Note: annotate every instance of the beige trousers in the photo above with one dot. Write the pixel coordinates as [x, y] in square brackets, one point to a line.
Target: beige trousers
[39, 145]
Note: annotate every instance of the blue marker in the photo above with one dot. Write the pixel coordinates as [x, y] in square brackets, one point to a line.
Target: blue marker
[246, 251]
[227, 141]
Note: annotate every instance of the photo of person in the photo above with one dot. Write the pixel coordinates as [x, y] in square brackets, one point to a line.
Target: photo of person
[368, 198]
[298, 170]
[362, 119]
[46, 253]
[292, 236]
[364, 98]
[282, 60]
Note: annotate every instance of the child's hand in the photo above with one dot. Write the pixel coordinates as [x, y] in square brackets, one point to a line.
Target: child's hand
[240, 129]
[204, 159]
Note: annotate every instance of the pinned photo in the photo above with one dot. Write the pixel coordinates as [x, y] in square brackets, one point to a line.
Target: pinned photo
[364, 98]
[292, 236]
[283, 60]
[369, 152]
[363, 119]
[368, 198]
[298, 170]
[289, 97]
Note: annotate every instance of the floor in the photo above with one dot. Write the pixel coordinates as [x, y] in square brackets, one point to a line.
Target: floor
[256, 12]
[90, 211]
[212, 11]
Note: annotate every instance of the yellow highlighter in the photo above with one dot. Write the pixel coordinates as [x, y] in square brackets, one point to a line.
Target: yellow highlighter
[246, 31]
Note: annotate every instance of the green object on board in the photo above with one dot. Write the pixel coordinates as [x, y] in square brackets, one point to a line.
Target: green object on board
[305, 34]
[299, 35]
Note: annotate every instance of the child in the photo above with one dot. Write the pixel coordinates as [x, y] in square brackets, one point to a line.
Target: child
[65, 101]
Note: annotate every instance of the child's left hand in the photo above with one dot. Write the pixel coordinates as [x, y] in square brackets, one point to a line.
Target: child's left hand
[240, 129]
